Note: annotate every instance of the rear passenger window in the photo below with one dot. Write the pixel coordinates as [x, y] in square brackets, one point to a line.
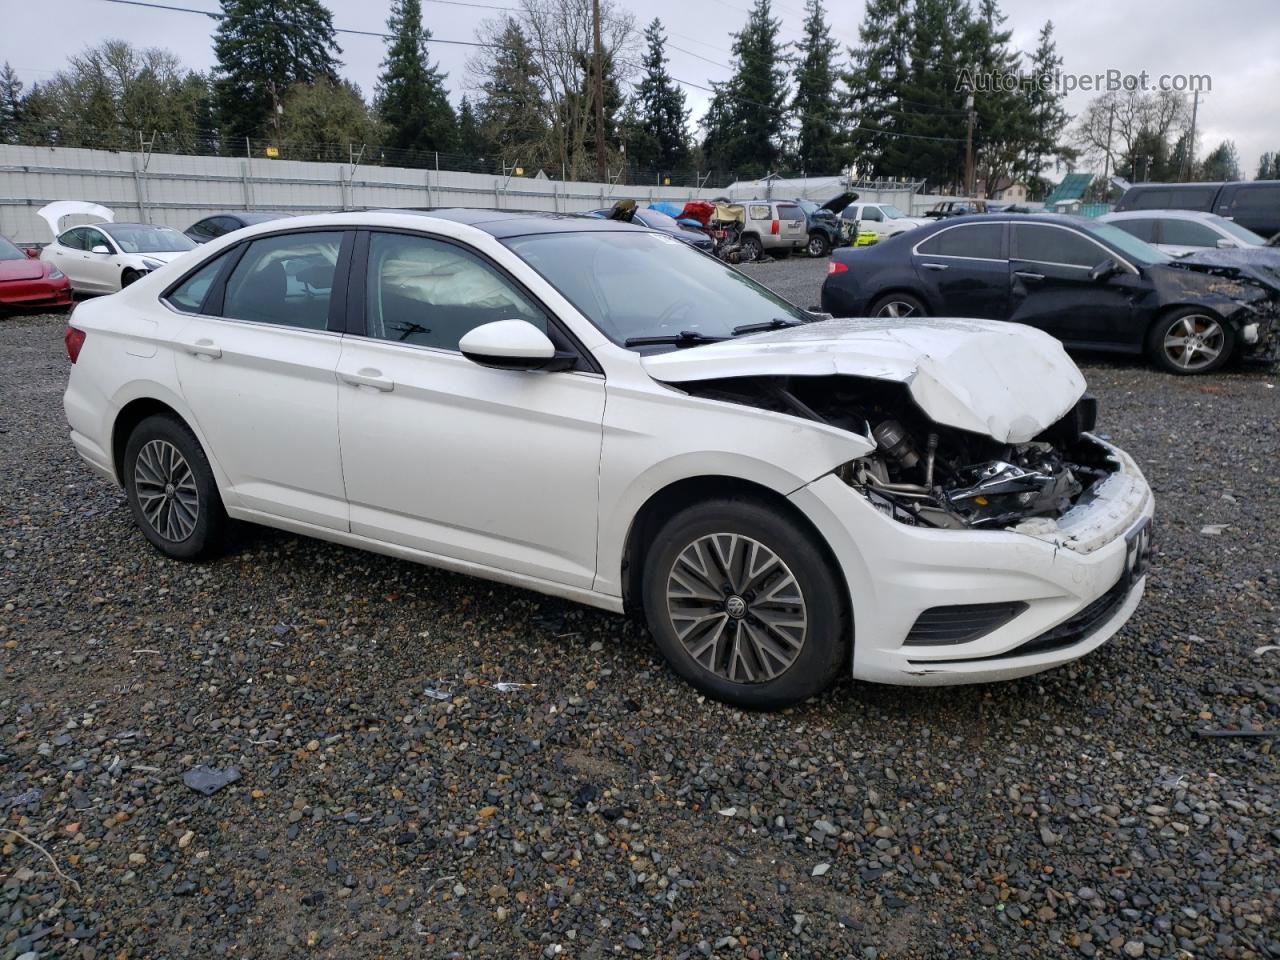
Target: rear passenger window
[74, 239]
[286, 279]
[1144, 230]
[983, 241]
[1151, 200]
[430, 293]
[1045, 244]
[189, 295]
[1199, 198]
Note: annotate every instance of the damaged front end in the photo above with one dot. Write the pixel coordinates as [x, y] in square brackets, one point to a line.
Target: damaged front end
[924, 473]
[1247, 296]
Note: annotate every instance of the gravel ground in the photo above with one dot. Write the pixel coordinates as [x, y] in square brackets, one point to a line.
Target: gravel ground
[606, 810]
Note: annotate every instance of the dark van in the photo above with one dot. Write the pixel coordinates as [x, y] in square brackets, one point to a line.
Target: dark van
[1253, 204]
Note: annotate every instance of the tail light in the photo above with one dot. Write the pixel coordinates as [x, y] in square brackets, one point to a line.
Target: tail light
[773, 227]
[835, 266]
[74, 340]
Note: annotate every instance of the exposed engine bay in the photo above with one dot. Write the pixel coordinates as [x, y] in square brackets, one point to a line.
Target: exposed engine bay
[927, 474]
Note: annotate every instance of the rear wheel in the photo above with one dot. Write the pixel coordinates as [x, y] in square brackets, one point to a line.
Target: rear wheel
[819, 245]
[171, 490]
[744, 605]
[751, 249]
[1189, 340]
[898, 305]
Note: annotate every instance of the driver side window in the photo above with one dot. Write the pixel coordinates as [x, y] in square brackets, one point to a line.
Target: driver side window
[430, 293]
[872, 213]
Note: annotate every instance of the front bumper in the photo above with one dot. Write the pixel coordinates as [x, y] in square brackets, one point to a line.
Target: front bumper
[35, 294]
[1070, 577]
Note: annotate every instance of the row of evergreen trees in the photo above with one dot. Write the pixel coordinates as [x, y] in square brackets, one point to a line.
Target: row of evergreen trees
[894, 106]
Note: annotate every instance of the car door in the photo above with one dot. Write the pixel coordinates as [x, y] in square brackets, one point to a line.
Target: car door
[873, 220]
[68, 254]
[964, 270]
[492, 467]
[102, 271]
[256, 357]
[1050, 287]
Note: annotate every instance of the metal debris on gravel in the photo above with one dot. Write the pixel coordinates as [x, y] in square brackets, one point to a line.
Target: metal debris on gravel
[1074, 813]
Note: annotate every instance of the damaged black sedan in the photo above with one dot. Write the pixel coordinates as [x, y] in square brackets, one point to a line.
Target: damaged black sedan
[1089, 284]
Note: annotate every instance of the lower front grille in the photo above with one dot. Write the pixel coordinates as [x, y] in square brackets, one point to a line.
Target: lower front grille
[944, 626]
[1066, 634]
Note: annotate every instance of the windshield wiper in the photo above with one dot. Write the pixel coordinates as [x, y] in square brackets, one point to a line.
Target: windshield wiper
[777, 323]
[685, 338]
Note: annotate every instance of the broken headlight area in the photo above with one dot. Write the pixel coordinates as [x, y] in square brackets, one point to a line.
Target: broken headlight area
[927, 474]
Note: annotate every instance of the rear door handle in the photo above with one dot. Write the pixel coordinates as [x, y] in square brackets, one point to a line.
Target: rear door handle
[1028, 276]
[369, 377]
[934, 266]
[205, 349]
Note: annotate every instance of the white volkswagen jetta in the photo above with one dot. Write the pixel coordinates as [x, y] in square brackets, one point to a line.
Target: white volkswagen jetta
[596, 411]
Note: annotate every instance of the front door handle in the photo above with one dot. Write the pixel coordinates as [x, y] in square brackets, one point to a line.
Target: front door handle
[934, 266]
[1028, 276]
[369, 377]
[205, 349]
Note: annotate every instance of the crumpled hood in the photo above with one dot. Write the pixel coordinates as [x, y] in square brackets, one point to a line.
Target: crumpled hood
[1006, 380]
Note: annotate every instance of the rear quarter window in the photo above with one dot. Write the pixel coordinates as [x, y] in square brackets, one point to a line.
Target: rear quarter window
[759, 211]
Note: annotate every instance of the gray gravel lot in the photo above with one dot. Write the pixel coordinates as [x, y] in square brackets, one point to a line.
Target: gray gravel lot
[607, 810]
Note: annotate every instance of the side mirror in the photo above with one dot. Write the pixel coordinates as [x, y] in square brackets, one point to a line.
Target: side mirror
[513, 345]
[1225, 244]
[1107, 269]
[101, 248]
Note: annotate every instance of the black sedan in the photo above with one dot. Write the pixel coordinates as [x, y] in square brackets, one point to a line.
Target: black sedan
[210, 228]
[1089, 284]
[657, 220]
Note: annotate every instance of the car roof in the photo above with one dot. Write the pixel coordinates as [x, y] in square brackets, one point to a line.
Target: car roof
[502, 224]
[1174, 186]
[1165, 214]
[1062, 219]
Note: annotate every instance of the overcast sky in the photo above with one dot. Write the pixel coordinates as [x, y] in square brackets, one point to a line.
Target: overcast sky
[1237, 43]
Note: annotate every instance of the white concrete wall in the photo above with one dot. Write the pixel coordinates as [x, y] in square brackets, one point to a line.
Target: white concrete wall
[179, 190]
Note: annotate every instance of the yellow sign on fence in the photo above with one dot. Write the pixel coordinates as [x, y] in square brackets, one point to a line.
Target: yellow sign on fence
[273, 152]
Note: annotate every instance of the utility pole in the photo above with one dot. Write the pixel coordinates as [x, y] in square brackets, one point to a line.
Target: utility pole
[601, 169]
[1191, 144]
[968, 148]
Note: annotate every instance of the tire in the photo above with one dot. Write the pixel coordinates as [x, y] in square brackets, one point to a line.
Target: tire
[1212, 341]
[162, 449]
[898, 305]
[751, 249]
[800, 661]
[128, 277]
[819, 245]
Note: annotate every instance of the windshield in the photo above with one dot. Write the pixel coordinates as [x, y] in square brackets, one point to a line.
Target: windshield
[9, 252]
[892, 212]
[640, 284]
[1137, 250]
[1243, 234]
[143, 238]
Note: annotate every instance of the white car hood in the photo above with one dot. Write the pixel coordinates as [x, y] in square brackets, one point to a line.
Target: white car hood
[1005, 380]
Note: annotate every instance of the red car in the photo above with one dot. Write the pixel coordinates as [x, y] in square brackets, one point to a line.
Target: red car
[30, 284]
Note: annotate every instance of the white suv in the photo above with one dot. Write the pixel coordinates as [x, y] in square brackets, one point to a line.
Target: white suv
[596, 411]
[883, 219]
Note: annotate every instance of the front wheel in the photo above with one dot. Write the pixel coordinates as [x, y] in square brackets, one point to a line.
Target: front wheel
[171, 490]
[1189, 340]
[744, 604]
[898, 305]
[818, 246]
[128, 277]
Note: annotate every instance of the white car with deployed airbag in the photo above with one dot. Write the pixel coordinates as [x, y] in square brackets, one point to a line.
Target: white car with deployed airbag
[595, 411]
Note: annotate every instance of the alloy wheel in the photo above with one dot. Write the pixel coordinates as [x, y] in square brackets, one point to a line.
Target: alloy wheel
[1194, 342]
[897, 308]
[166, 490]
[816, 247]
[736, 608]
